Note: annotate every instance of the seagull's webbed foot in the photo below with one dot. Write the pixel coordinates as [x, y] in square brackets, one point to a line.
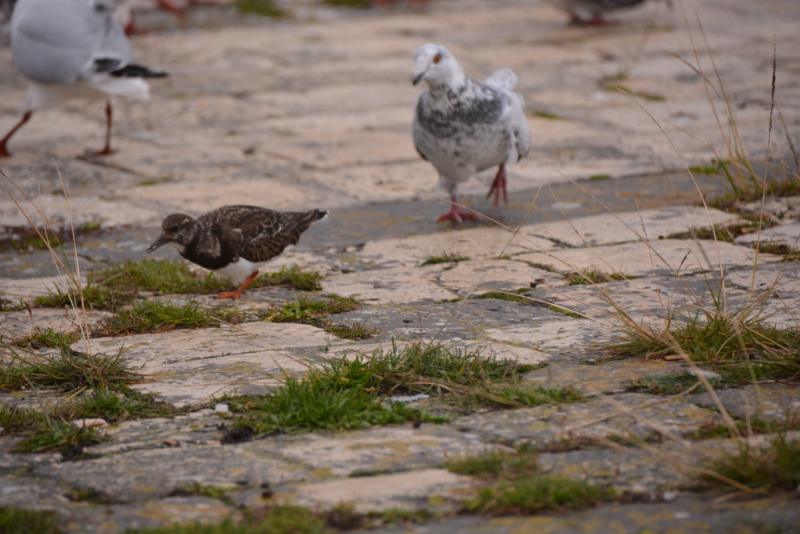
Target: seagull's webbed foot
[238, 293]
[456, 215]
[89, 154]
[499, 186]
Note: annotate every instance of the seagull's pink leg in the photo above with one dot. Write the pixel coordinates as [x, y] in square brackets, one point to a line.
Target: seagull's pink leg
[107, 150]
[238, 293]
[499, 186]
[457, 215]
[4, 153]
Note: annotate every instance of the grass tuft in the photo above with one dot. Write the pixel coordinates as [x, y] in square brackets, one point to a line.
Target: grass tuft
[354, 331]
[49, 338]
[69, 371]
[284, 519]
[599, 177]
[60, 436]
[593, 275]
[348, 3]
[739, 349]
[512, 483]
[564, 311]
[309, 310]
[120, 284]
[671, 383]
[546, 115]
[505, 296]
[771, 467]
[264, 8]
[18, 521]
[153, 316]
[727, 233]
[446, 258]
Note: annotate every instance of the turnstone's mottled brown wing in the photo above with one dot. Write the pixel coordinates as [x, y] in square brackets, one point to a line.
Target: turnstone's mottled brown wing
[266, 233]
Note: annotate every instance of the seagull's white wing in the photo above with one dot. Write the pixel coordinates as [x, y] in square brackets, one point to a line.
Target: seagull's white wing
[59, 41]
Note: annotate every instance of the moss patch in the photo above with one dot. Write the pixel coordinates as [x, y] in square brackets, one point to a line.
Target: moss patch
[512, 483]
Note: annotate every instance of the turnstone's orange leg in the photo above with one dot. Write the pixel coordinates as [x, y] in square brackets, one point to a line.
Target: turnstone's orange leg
[457, 215]
[4, 153]
[238, 293]
[107, 150]
[499, 186]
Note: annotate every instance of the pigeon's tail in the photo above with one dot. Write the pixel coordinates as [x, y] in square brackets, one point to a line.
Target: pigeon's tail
[502, 79]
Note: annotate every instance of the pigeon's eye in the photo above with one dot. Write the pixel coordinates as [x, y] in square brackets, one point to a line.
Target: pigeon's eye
[175, 228]
[437, 58]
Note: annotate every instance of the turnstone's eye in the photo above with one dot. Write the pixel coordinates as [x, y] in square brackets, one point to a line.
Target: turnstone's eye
[437, 58]
[175, 228]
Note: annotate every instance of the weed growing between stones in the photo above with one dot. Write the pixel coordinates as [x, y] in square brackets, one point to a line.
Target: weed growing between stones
[773, 466]
[61, 436]
[285, 519]
[350, 392]
[593, 275]
[68, 371]
[354, 331]
[739, 349]
[48, 337]
[564, 311]
[510, 297]
[727, 233]
[153, 316]
[264, 8]
[446, 258]
[672, 383]
[513, 483]
[309, 310]
[120, 284]
[780, 249]
[18, 521]
[348, 3]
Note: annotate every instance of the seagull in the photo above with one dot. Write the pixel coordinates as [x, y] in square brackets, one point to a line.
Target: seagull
[463, 127]
[590, 12]
[234, 241]
[72, 49]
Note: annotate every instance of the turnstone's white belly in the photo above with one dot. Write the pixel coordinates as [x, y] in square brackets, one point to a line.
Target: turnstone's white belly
[238, 271]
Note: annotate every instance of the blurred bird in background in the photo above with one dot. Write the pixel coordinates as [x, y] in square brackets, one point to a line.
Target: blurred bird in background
[590, 12]
[69, 49]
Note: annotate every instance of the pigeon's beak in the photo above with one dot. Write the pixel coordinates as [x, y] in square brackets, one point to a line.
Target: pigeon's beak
[418, 77]
[160, 242]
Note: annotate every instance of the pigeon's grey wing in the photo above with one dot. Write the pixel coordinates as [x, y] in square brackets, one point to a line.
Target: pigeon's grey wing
[517, 124]
[59, 41]
[502, 79]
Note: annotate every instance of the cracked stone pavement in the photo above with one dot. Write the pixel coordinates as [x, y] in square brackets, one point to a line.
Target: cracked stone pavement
[314, 110]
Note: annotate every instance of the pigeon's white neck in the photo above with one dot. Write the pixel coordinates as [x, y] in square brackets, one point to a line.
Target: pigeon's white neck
[449, 82]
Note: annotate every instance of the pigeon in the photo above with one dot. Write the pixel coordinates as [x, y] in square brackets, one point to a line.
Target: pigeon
[72, 49]
[590, 12]
[463, 127]
[234, 241]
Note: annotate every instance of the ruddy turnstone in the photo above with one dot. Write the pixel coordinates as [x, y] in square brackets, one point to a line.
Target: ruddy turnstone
[71, 49]
[234, 241]
[463, 127]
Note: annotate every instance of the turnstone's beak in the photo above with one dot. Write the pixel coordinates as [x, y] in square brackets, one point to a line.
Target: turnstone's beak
[160, 242]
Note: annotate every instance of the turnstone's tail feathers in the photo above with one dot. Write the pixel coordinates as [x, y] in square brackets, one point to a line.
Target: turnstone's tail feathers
[266, 233]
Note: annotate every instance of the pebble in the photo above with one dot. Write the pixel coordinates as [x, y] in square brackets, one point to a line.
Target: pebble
[88, 423]
[669, 496]
[221, 408]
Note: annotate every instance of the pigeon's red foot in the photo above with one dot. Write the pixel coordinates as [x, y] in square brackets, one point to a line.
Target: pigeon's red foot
[499, 186]
[456, 215]
[238, 293]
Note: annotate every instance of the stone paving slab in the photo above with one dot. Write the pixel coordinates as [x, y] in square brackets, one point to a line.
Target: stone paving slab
[24, 322]
[390, 286]
[632, 226]
[664, 256]
[191, 366]
[688, 514]
[430, 489]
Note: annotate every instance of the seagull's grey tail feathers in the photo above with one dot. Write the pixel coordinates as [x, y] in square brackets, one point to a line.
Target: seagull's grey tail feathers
[502, 79]
[138, 71]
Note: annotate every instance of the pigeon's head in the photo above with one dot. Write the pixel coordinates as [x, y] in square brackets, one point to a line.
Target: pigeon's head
[437, 67]
[177, 230]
